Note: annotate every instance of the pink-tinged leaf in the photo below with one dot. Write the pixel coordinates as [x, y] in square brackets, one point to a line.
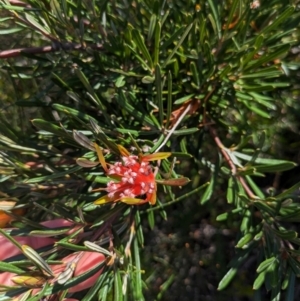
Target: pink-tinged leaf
[6, 280]
[155, 156]
[83, 162]
[174, 182]
[132, 201]
[100, 157]
[103, 200]
[86, 262]
[9, 249]
[123, 151]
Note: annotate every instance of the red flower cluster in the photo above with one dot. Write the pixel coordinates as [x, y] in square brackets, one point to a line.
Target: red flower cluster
[132, 177]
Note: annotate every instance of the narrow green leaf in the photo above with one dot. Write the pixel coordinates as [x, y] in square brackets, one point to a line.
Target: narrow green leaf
[94, 247]
[261, 205]
[54, 175]
[259, 281]
[208, 192]
[266, 161]
[97, 288]
[159, 98]
[283, 17]
[184, 35]
[124, 102]
[157, 43]
[227, 279]
[285, 234]
[138, 279]
[232, 12]
[244, 240]
[11, 30]
[37, 260]
[213, 6]
[290, 294]
[52, 128]
[268, 57]
[288, 192]
[169, 104]
[9, 267]
[151, 28]
[139, 228]
[264, 265]
[275, 168]
[255, 188]
[36, 25]
[140, 43]
[231, 196]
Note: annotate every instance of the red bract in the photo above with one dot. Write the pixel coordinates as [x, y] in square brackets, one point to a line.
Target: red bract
[131, 177]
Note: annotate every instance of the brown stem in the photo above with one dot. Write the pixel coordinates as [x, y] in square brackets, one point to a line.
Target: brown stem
[54, 48]
[231, 164]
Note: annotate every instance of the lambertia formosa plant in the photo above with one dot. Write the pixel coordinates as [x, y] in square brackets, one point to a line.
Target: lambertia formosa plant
[148, 150]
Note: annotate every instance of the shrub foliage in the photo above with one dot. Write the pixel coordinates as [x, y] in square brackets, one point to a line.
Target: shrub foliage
[212, 82]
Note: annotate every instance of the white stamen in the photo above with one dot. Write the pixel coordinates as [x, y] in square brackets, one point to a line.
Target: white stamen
[143, 184]
[111, 195]
[133, 174]
[131, 180]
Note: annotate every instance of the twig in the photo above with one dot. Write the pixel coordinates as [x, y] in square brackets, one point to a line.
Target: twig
[231, 164]
[175, 126]
[54, 48]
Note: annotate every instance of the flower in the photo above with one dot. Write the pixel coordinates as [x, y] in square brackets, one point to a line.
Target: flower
[131, 177]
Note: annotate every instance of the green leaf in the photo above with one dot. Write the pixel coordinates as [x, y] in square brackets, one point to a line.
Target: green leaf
[268, 57]
[264, 265]
[138, 279]
[100, 284]
[184, 35]
[140, 43]
[262, 206]
[151, 220]
[124, 102]
[260, 279]
[231, 195]
[56, 175]
[288, 192]
[285, 234]
[159, 98]
[283, 17]
[244, 240]
[272, 163]
[118, 296]
[227, 279]
[208, 192]
[51, 128]
[8, 267]
[216, 17]
[37, 260]
[139, 228]
[291, 288]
